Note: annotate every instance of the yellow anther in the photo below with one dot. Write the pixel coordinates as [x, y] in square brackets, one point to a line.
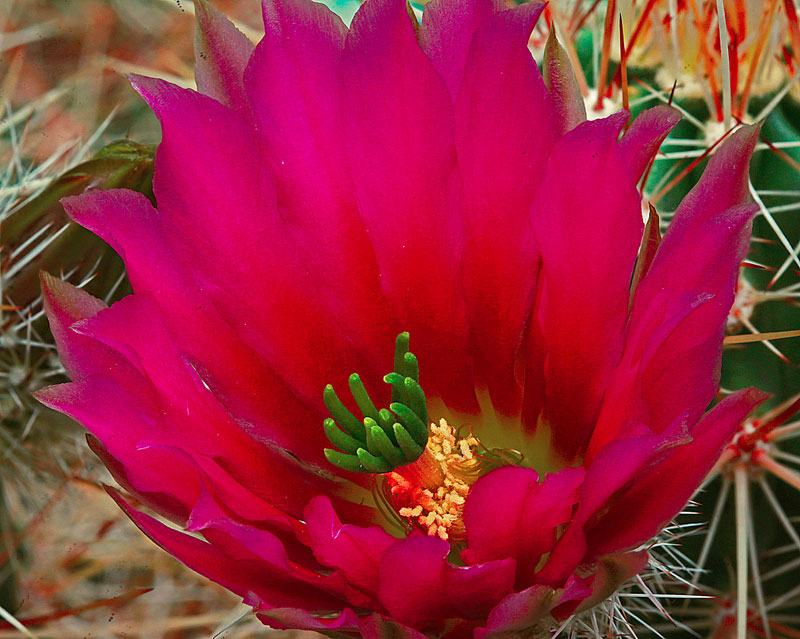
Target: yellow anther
[436, 506]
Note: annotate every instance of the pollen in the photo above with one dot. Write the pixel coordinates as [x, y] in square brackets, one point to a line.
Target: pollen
[431, 493]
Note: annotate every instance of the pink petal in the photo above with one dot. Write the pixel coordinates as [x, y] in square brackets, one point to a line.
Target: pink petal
[232, 567]
[520, 613]
[673, 352]
[724, 184]
[216, 212]
[374, 626]
[609, 574]
[245, 542]
[356, 551]
[615, 468]
[588, 224]
[530, 512]
[644, 137]
[191, 417]
[221, 53]
[165, 505]
[293, 86]
[298, 619]
[143, 380]
[403, 160]
[504, 131]
[120, 421]
[134, 328]
[446, 34]
[663, 489]
[242, 380]
[65, 304]
[212, 522]
[419, 587]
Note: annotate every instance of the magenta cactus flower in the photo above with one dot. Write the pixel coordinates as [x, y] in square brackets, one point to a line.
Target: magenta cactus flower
[332, 199]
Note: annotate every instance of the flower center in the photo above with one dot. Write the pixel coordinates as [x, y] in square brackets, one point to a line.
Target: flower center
[430, 493]
[424, 473]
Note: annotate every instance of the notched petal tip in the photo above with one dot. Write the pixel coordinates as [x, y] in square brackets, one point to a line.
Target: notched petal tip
[50, 396]
[221, 55]
[739, 146]
[561, 82]
[648, 131]
[65, 303]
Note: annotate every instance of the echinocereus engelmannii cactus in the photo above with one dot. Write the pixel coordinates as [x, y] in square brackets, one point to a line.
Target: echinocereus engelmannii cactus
[331, 189]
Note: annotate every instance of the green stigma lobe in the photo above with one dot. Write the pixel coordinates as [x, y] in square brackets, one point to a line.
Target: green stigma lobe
[386, 438]
[343, 417]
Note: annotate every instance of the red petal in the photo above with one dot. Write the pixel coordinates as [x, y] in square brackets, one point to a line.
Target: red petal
[217, 204]
[663, 489]
[504, 131]
[643, 139]
[446, 34]
[293, 84]
[232, 566]
[523, 524]
[588, 224]
[419, 587]
[403, 161]
[616, 467]
[356, 551]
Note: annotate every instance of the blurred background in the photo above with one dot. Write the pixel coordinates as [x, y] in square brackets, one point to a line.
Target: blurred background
[71, 565]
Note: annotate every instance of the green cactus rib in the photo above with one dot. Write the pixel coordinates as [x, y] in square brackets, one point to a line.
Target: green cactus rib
[383, 439]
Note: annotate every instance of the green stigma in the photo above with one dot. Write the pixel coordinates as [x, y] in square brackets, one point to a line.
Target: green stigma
[384, 439]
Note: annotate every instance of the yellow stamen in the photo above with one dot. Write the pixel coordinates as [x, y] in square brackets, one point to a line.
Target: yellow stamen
[431, 492]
